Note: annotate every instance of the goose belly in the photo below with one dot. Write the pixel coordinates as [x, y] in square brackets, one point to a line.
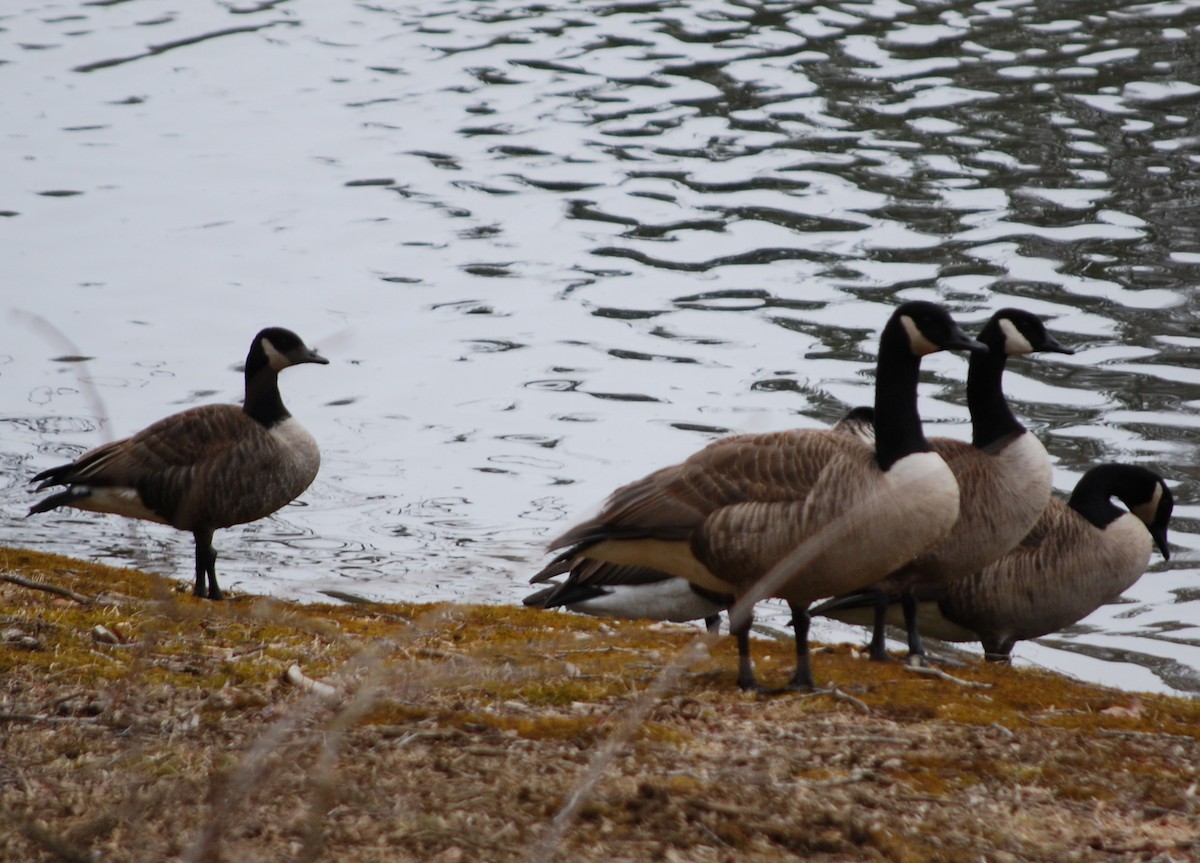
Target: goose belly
[117, 500]
[254, 481]
[1002, 495]
[885, 525]
[672, 599]
[673, 557]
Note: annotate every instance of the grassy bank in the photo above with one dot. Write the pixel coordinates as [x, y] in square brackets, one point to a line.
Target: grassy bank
[140, 724]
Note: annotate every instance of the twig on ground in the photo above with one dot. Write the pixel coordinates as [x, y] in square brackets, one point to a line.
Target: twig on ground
[47, 587]
[834, 692]
[323, 773]
[300, 680]
[929, 671]
[33, 718]
[857, 776]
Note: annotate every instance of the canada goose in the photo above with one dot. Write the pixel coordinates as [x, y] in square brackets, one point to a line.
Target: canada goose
[1004, 476]
[632, 593]
[1079, 555]
[638, 593]
[747, 506]
[205, 468]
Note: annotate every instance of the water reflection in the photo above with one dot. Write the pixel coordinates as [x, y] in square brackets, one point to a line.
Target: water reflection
[565, 244]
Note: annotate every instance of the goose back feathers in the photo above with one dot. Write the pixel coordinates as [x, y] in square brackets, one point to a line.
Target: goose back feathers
[205, 468]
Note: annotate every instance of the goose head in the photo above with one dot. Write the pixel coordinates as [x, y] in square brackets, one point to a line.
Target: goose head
[280, 348]
[1013, 331]
[1144, 493]
[1148, 497]
[929, 328]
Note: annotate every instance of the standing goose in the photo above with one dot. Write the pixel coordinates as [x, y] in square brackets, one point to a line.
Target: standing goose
[1080, 555]
[749, 506]
[205, 468]
[1004, 476]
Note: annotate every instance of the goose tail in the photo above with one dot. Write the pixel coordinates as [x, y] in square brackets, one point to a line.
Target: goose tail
[53, 476]
[69, 497]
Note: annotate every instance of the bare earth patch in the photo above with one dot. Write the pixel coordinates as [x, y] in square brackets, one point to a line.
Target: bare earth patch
[139, 724]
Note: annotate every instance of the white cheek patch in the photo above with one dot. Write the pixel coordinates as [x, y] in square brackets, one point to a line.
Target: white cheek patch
[1149, 510]
[1014, 341]
[278, 361]
[920, 344]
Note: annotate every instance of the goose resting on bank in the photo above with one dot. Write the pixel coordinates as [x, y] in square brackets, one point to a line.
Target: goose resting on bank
[632, 593]
[1079, 555]
[1004, 477]
[798, 514]
[205, 468]
[638, 593]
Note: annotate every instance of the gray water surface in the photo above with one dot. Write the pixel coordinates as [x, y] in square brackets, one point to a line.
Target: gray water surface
[551, 247]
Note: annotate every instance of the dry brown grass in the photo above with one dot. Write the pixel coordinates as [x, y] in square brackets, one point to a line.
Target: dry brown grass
[144, 725]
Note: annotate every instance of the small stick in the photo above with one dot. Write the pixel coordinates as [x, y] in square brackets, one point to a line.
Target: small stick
[834, 692]
[52, 720]
[929, 671]
[1002, 730]
[607, 752]
[300, 680]
[49, 588]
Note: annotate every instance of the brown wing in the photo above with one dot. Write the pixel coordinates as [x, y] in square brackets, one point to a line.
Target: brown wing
[211, 466]
[1025, 591]
[671, 503]
[180, 441]
[1044, 526]
[1000, 500]
[851, 505]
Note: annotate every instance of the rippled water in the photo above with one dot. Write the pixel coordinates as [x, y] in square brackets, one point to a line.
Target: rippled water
[550, 247]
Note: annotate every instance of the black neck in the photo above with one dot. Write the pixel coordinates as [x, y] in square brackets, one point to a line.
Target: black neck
[1092, 497]
[991, 418]
[263, 402]
[897, 424]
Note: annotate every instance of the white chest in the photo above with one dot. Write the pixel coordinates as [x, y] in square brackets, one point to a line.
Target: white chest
[296, 444]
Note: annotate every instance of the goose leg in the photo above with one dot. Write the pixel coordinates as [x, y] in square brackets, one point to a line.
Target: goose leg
[206, 565]
[713, 623]
[878, 638]
[997, 650]
[745, 678]
[908, 602]
[802, 678]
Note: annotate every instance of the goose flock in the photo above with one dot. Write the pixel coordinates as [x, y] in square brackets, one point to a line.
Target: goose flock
[964, 539]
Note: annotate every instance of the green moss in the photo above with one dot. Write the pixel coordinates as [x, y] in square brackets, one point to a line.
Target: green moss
[482, 656]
